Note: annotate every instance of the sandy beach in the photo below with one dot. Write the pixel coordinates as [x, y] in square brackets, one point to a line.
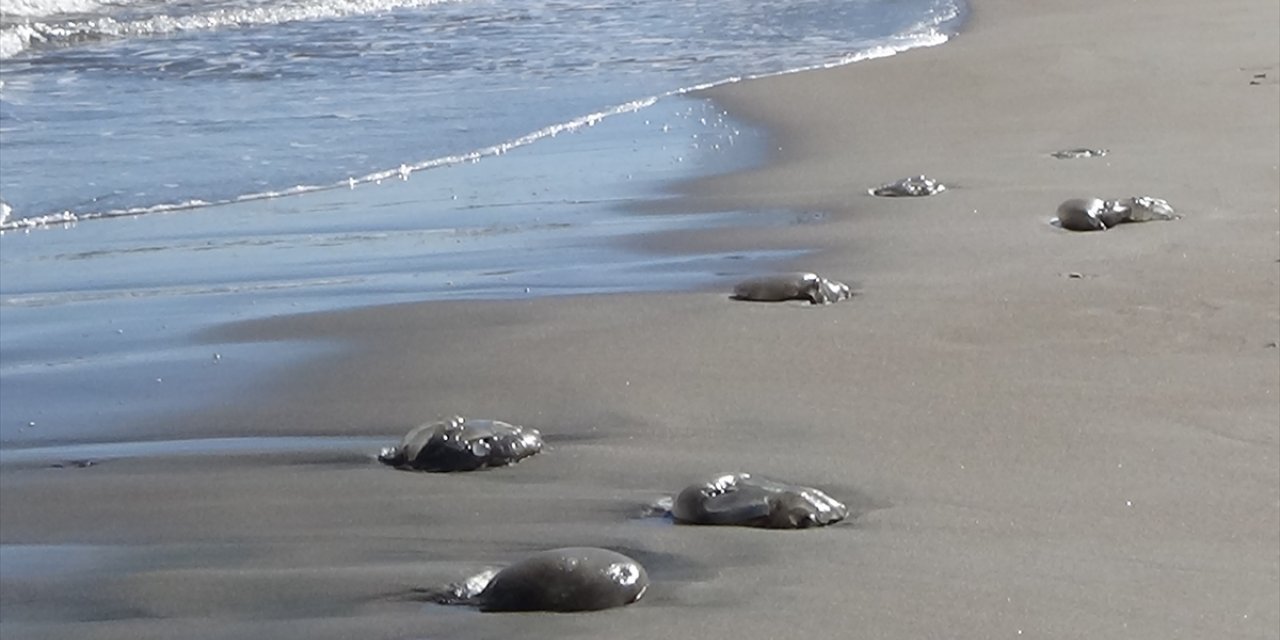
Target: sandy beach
[1043, 434]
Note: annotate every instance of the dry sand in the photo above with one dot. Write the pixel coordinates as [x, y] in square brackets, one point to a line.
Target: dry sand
[1031, 454]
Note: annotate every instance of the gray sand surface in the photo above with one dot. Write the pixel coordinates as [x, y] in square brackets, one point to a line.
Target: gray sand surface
[1030, 454]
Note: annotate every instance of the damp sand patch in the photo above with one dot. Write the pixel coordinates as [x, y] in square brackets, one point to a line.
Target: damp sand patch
[84, 455]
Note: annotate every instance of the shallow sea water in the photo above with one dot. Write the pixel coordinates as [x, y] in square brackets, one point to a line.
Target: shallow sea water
[356, 152]
[137, 105]
[83, 355]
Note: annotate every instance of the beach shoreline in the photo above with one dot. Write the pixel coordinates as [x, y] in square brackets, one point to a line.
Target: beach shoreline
[110, 307]
[1043, 433]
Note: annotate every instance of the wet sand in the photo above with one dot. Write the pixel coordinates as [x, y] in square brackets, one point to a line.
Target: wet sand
[1030, 453]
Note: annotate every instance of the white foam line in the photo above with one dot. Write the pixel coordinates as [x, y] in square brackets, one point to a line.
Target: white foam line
[929, 37]
[15, 39]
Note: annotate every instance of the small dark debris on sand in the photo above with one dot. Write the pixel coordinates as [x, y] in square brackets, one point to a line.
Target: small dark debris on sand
[1081, 152]
[803, 285]
[913, 187]
[461, 444]
[1095, 214]
[73, 464]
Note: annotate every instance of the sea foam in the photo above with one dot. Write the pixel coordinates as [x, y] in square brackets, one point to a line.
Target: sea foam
[16, 38]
